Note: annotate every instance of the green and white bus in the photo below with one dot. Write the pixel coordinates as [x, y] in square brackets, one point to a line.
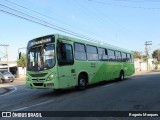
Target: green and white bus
[57, 61]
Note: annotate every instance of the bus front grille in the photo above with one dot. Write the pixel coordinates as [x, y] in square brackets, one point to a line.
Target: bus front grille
[38, 84]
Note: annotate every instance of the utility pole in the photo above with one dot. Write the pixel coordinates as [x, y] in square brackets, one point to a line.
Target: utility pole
[4, 45]
[147, 43]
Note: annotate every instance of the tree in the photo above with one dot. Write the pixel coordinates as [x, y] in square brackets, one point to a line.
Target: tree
[156, 55]
[137, 54]
[22, 61]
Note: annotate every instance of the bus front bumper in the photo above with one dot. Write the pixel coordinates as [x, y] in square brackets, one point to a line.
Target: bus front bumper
[42, 85]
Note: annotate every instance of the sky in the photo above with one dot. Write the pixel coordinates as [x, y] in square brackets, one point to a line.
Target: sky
[124, 23]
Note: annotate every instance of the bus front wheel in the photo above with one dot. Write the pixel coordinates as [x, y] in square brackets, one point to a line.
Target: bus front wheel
[82, 82]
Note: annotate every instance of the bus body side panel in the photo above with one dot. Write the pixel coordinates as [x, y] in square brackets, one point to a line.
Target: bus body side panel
[99, 72]
[129, 69]
[112, 70]
[94, 70]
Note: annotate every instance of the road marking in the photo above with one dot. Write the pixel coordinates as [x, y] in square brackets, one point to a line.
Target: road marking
[33, 105]
[15, 88]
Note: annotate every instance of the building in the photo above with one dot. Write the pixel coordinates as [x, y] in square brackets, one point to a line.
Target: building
[13, 68]
[141, 65]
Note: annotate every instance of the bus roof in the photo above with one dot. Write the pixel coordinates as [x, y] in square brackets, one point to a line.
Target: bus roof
[94, 43]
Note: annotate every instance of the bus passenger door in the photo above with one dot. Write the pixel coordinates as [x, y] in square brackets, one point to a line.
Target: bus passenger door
[66, 70]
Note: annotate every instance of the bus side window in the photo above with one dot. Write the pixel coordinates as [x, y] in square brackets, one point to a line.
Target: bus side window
[80, 53]
[105, 56]
[65, 54]
[131, 56]
[118, 56]
[111, 55]
[102, 54]
[92, 53]
[128, 58]
[124, 57]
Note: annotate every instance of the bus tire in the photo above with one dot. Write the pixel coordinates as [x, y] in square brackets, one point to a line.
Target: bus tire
[121, 76]
[82, 82]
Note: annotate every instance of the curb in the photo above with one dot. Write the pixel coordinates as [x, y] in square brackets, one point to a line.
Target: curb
[141, 72]
[3, 90]
[145, 72]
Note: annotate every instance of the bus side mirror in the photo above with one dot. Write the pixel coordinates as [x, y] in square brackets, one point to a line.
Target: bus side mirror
[20, 55]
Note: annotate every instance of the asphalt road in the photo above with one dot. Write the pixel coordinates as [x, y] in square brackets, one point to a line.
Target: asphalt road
[137, 93]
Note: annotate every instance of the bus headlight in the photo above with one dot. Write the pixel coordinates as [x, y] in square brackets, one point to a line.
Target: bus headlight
[50, 76]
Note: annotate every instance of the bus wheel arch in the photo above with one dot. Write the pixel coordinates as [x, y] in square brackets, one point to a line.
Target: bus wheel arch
[82, 81]
[121, 75]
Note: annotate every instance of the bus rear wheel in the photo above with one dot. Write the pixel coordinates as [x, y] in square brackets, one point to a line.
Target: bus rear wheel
[82, 82]
[121, 75]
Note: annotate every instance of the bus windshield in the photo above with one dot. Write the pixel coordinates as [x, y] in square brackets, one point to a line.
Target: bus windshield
[41, 57]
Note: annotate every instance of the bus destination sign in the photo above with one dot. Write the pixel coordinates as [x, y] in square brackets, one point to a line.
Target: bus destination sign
[40, 41]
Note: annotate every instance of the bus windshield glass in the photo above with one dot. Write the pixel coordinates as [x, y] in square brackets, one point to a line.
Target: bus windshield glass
[41, 57]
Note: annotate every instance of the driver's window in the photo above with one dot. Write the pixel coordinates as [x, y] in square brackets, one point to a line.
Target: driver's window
[49, 56]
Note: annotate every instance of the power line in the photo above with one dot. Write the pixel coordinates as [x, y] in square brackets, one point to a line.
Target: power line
[91, 16]
[88, 12]
[30, 18]
[39, 23]
[103, 20]
[31, 4]
[124, 6]
[115, 24]
[51, 18]
[49, 24]
[23, 7]
[42, 22]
